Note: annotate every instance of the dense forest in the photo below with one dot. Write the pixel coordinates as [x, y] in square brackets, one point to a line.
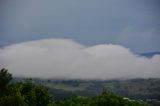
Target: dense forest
[26, 93]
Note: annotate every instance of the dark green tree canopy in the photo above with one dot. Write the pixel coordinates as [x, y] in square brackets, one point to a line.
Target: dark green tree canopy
[5, 78]
[23, 93]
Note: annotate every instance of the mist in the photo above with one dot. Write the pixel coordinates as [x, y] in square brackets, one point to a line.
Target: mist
[67, 59]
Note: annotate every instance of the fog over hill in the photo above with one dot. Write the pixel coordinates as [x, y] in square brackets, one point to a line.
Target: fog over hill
[65, 58]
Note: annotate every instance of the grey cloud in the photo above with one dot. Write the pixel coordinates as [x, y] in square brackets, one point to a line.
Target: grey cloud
[64, 58]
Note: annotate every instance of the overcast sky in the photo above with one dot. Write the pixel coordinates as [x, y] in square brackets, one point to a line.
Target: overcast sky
[131, 23]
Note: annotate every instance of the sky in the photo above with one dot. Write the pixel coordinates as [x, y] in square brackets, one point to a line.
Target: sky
[133, 24]
[80, 39]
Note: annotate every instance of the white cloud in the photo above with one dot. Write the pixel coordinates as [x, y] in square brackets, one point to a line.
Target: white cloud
[64, 58]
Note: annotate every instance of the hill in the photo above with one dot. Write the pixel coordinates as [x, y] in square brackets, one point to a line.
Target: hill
[134, 88]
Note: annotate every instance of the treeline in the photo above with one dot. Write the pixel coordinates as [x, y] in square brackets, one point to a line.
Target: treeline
[26, 93]
[105, 99]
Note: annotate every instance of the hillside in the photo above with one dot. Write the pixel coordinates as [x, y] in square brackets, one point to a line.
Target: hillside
[134, 89]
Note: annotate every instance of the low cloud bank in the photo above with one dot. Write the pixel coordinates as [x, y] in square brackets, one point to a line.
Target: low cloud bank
[64, 58]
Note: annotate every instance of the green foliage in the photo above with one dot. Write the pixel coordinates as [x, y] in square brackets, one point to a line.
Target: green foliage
[13, 97]
[5, 77]
[26, 94]
[110, 99]
[105, 99]
[22, 93]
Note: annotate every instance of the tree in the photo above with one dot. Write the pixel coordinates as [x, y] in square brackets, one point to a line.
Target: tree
[23, 93]
[35, 95]
[105, 99]
[5, 78]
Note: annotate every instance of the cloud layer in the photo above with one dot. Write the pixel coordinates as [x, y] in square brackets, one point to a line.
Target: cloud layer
[64, 58]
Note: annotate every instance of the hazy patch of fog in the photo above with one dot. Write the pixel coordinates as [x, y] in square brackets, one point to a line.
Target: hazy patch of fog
[64, 58]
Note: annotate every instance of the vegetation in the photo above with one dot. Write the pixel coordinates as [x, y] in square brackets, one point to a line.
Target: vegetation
[5, 77]
[27, 93]
[22, 93]
[131, 88]
[105, 99]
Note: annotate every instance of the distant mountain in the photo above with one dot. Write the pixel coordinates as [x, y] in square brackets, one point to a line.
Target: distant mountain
[150, 54]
